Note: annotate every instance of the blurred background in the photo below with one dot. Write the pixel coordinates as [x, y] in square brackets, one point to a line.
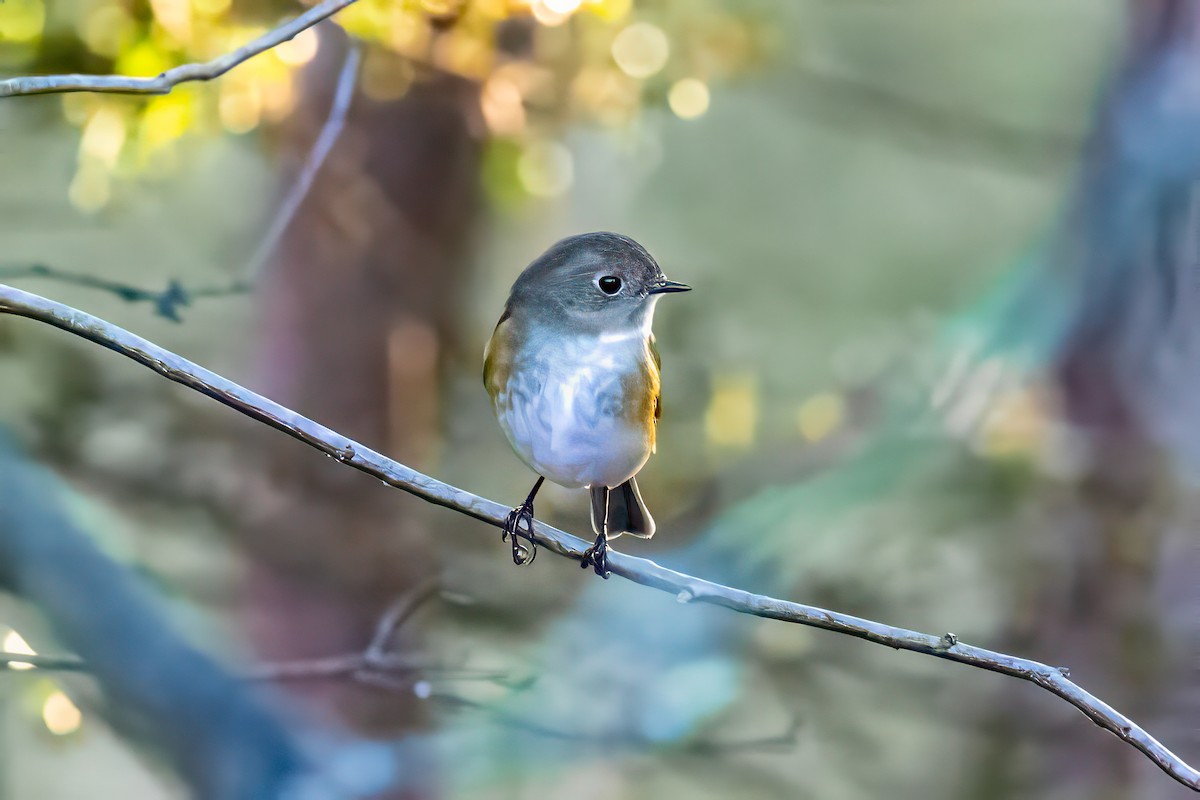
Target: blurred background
[938, 370]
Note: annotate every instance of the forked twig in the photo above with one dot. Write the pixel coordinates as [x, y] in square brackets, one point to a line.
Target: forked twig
[185, 73]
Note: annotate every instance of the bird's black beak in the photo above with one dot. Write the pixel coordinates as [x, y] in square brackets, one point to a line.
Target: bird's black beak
[666, 287]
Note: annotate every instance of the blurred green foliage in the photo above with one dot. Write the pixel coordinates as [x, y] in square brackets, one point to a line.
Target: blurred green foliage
[540, 63]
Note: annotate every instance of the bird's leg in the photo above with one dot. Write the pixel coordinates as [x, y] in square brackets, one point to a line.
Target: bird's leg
[512, 527]
[596, 556]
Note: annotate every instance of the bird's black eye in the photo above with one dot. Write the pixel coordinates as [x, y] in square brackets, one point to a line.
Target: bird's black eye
[610, 284]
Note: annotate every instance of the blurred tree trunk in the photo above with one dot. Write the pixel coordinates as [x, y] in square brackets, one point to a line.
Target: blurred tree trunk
[1110, 583]
[355, 312]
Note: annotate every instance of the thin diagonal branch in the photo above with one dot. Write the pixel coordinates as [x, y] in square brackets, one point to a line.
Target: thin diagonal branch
[165, 82]
[686, 587]
[330, 131]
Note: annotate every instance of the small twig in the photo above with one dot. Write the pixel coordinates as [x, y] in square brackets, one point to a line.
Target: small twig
[167, 303]
[166, 81]
[397, 614]
[342, 97]
[340, 666]
[685, 587]
[368, 666]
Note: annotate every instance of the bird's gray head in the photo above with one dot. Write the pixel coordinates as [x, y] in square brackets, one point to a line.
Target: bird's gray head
[593, 281]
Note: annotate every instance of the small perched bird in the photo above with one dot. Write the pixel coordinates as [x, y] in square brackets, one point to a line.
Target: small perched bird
[573, 374]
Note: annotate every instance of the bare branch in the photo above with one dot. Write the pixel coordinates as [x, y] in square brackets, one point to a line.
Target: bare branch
[165, 82]
[357, 666]
[396, 615]
[168, 302]
[685, 587]
[369, 666]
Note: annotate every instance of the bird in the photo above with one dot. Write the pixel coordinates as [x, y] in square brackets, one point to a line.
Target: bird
[574, 378]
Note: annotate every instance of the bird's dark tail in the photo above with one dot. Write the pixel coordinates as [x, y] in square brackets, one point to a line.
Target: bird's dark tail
[624, 509]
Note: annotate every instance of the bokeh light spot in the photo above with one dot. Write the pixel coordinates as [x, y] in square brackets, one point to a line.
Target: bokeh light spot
[60, 715]
[21, 20]
[502, 106]
[408, 33]
[733, 412]
[820, 416]
[107, 29]
[607, 94]
[77, 107]
[546, 169]
[688, 98]
[143, 59]
[104, 136]
[463, 53]
[175, 17]
[553, 12]
[641, 50]
[1015, 425]
[610, 10]
[279, 98]
[166, 119]
[386, 76]
[91, 188]
[240, 108]
[300, 50]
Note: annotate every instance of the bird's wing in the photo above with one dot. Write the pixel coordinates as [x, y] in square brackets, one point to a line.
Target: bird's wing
[497, 355]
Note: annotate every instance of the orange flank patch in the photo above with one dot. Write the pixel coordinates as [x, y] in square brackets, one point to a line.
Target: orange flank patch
[498, 356]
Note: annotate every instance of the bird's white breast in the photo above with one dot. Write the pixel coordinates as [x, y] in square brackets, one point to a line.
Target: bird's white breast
[564, 409]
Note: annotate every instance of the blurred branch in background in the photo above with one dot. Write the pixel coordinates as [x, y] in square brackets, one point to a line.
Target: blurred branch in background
[164, 83]
[391, 673]
[159, 689]
[369, 666]
[342, 96]
[169, 302]
[686, 588]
